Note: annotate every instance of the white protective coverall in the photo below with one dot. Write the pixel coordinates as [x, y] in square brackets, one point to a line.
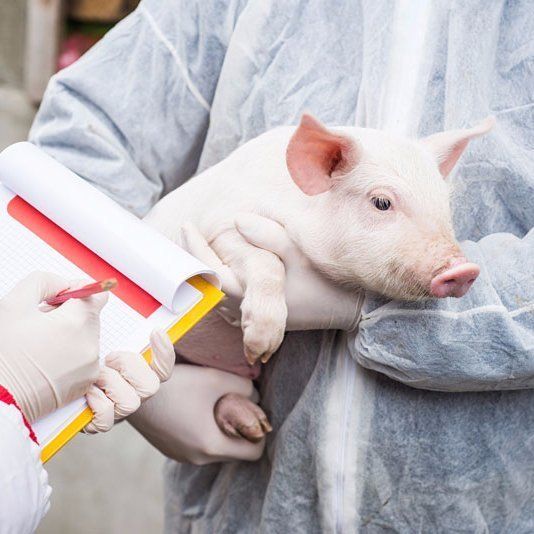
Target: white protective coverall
[178, 85]
[25, 489]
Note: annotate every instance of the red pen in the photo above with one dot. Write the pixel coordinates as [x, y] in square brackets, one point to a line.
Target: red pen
[83, 292]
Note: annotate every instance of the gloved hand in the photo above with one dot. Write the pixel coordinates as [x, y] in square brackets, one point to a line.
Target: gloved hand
[179, 420]
[313, 301]
[126, 380]
[48, 359]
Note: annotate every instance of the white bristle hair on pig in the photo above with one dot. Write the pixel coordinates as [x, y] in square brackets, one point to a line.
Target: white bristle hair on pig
[370, 210]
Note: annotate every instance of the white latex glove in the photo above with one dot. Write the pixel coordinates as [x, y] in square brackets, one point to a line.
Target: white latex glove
[179, 420]
[48, 359]
[126, 380]
[313, 301]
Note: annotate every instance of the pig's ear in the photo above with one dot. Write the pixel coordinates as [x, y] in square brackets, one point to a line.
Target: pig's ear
[315, 155]
[448, 146]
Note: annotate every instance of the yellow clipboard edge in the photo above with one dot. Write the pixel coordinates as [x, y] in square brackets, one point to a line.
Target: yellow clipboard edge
[212, 296]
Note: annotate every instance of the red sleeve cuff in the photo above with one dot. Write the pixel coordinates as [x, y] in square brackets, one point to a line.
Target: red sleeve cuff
[7, 398]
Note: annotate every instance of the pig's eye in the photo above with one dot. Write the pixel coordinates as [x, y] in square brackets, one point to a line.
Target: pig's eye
[381, 203]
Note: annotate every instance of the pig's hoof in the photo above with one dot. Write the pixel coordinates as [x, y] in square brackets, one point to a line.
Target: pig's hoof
[263, 320]
[239, 417]
[261, 340]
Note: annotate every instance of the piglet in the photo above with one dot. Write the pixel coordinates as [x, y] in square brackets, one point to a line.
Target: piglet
[370, 210]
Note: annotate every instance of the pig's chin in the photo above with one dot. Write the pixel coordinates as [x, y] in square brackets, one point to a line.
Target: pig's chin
[410, 294]
[401, 283]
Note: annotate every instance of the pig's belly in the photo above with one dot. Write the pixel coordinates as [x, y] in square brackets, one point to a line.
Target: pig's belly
[215, 343]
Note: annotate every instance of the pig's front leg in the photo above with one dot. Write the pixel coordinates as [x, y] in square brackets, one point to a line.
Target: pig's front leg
[263, 309]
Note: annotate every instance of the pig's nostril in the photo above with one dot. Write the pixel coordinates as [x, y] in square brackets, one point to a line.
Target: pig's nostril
[451, 281]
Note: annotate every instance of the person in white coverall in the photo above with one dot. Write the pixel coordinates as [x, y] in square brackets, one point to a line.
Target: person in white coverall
[422, 419]
[47, 359]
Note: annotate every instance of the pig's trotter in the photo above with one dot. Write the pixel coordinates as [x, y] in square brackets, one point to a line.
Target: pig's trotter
[239, 417]
[263, 321]
[261, 339]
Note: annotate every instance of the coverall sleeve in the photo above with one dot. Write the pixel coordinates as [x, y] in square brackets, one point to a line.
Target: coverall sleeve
[482, 341]
[25, 491]
[131, 115]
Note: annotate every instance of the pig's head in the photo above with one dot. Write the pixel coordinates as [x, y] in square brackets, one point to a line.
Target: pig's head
[384, 219]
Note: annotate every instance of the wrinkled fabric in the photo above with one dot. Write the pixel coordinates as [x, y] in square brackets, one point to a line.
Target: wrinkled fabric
[178, 85]
[24, 481]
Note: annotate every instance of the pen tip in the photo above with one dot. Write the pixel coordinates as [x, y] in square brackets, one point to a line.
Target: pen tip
[110, 283]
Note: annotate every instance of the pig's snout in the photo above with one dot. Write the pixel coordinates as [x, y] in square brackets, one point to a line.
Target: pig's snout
[456, 280]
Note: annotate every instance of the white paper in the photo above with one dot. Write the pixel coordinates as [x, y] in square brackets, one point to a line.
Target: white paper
[138, 251]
